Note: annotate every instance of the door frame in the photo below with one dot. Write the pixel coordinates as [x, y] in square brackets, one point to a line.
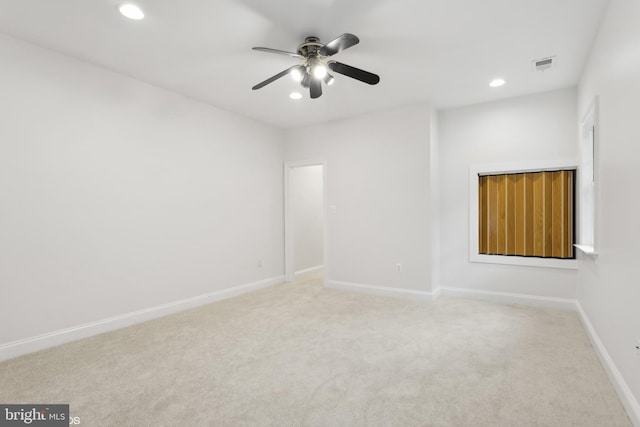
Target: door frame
[289, 245]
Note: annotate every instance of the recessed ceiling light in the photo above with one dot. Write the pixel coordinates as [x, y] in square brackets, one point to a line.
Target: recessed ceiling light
[131, 11]
[295, 95]
[497, 82]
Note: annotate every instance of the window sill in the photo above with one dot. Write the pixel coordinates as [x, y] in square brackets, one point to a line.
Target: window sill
[569, 264]
[587, 249]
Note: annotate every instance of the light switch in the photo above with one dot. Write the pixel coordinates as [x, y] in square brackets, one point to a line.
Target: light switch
[333, 210]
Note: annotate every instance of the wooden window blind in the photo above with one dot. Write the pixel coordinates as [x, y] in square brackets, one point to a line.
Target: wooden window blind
[527, 214]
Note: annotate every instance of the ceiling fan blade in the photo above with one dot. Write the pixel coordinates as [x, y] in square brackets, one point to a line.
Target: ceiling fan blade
[354, 73]
[338, 44]
[315, 88]
[280, 52]
[274, 78]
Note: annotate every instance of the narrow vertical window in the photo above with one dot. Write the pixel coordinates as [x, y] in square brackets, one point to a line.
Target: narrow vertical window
[588, 180]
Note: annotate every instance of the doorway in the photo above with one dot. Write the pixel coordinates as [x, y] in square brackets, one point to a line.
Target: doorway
[305, 219]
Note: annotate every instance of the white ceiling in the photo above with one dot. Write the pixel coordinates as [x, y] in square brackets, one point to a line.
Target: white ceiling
[440, 51]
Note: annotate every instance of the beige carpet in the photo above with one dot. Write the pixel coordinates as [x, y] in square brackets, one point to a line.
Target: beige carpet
[300, 355]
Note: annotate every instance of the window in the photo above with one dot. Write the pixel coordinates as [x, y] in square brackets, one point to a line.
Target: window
[526, 214]
[523, 213]
[587, 179]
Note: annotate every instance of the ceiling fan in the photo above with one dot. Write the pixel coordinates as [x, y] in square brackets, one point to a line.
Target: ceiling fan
[314, 66]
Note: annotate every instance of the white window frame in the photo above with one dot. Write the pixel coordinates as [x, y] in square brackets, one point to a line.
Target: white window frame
[587, 181]
[507, 168]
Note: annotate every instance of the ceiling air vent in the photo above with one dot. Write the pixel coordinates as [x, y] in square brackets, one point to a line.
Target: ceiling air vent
[544, 63]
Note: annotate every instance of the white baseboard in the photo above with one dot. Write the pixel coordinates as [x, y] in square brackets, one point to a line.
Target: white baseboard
[509, 298]
[51, 339]
[624, 392]
[383, 291]
[309, 270]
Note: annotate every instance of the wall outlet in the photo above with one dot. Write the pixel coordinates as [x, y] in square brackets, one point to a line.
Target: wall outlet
[398, 267]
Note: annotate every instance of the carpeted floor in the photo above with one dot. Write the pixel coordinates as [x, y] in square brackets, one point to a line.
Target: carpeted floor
[301, 355]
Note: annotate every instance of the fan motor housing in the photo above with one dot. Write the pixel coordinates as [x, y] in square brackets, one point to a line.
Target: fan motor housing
[310, 47]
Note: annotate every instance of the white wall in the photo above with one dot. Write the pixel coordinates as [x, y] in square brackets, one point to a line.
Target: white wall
[305, 186]
[379, 181]
[608, 284]
[117, 195]
[539, 127]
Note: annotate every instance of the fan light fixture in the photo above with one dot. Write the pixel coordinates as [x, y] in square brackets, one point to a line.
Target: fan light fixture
[315, 64]
[319, 71]
[296, 75]
[131, 11]
[497, 82]
[328, 79]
